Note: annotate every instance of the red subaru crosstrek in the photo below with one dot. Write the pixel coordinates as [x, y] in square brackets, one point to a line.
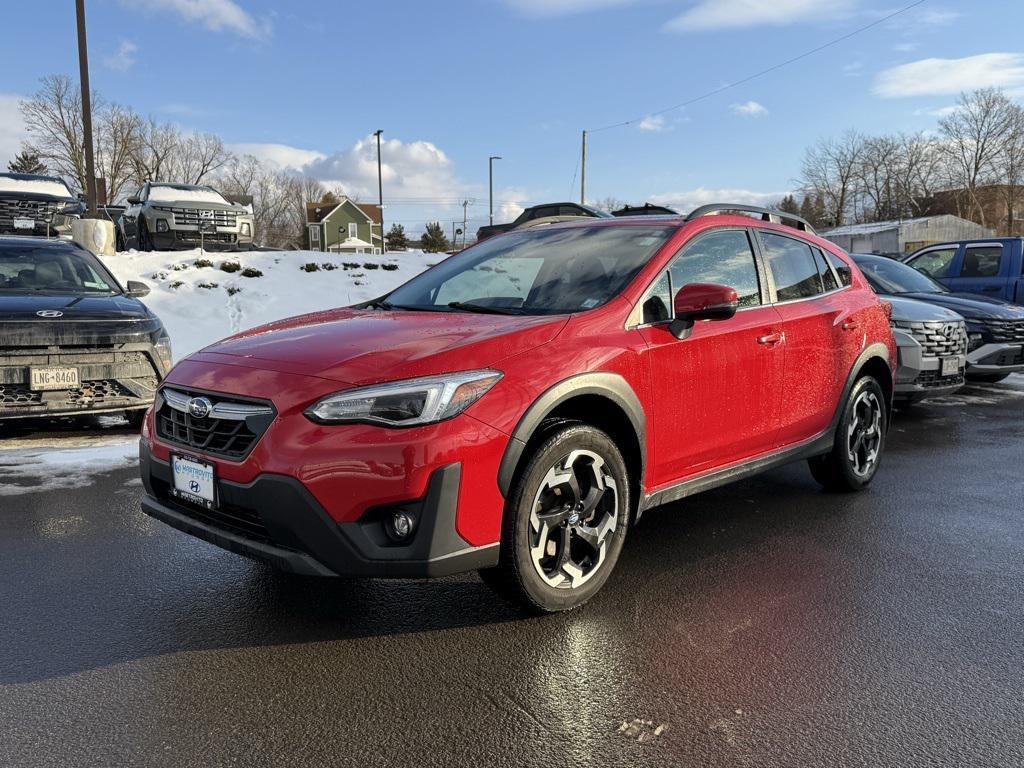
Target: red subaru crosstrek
[513, 409]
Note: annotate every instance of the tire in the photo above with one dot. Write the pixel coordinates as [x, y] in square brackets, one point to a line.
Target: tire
[987, 378]
[135, 418]
[145, 242]
[859, 442]
[119, 245]
[532, 570]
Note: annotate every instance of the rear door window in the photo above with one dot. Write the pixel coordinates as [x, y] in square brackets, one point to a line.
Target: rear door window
[841, 267]
[935, 263]
[982, 261]
[828, 280]
[792, 266]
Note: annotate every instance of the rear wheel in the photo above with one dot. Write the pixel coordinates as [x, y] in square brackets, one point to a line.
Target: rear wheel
[565, 522]
[987, 378]
[860, 439]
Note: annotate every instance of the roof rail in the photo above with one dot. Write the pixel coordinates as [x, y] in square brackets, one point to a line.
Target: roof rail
[777, 217]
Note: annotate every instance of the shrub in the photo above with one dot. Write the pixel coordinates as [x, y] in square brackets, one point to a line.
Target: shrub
[202, 263]
[358, 282]
[180, 267]
[233, 289]
[371, 265]
[176, 285]
[159, 276]
[350, 264]
[310, 267]
[251, 272]
[328, 266]
[358, 274]
[230, 266]
[389, 267]
[206, 285]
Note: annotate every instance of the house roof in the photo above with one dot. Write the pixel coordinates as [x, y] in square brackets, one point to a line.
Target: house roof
[317, 212]
[370, 209]
[879, 226]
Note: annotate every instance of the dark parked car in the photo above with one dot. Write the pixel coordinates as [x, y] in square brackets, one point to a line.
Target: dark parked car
[990, 267]
[516, 407]
[995, 328]
[548, 211]
[163, 217]
[72, 340]
[31, 204]
[645, 210]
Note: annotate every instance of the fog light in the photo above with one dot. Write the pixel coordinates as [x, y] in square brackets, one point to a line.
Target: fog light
[400, 526]
[161, 225]
[246, 229]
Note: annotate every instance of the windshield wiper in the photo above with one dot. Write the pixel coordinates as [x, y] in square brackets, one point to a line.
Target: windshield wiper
[468, 306]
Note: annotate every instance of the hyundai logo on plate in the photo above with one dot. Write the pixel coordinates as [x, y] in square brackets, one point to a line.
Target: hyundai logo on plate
[50, 313]
[200, 407]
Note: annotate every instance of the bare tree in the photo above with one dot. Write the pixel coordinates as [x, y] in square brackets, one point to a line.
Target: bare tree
[116, 138]
[974, 139]
[53, 120]
[1012, 167]
[609, 204]
[829, 170]
[199, 155]
[278, 200]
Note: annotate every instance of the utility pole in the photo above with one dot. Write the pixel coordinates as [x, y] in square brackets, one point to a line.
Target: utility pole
[83, 67]
[490, 181]
[464, 204]
[583, 171]
[380, 197]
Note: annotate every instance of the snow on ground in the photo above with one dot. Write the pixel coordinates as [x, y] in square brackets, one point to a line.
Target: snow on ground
[31, 466]
[202, 304]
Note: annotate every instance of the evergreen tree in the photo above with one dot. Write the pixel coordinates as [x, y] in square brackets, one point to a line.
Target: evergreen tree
[433, 240]
[26, 161]
[789, 204]
[396, 238]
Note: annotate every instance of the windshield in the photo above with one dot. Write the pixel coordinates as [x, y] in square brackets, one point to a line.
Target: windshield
[33, 269]
[536, 272]
[171, 193]
[890, 277]
[51, 187]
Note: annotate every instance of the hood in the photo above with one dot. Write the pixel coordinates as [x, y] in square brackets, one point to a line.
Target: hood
[356, 346]
[914, 311]
[972, 306]
[75, 308]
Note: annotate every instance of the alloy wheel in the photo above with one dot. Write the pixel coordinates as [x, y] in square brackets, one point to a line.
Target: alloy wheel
[864, 435]
[573, 512]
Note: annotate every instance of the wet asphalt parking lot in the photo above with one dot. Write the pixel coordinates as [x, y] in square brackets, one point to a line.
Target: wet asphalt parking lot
[763, 624]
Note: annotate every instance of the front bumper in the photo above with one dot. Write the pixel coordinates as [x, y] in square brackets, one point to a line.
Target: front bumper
[996, 359]
[919, 376]
[275, 519]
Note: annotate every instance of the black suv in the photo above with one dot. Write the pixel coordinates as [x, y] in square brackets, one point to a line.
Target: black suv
[31, 204]
[72, 340]
[551, 211]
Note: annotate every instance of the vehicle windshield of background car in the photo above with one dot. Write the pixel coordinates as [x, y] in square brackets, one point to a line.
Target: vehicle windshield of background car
[888, 276]
[51, 187]
[28, 270]
[555, 270]
[185, 193]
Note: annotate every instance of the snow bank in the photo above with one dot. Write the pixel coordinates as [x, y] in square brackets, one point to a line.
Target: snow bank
[27, 468]
[202, 304]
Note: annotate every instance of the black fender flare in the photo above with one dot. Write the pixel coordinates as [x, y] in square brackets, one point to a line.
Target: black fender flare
[611, 386]
[872, 351]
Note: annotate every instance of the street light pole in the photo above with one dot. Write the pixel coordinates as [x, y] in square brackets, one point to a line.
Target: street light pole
[83, 67]
[490, 182]
[583, 171]
[380, 199]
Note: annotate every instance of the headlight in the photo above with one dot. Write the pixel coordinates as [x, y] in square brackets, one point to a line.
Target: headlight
[161, 225]
[407, 403]
[974, 340]
[162, 348]
[246, 229]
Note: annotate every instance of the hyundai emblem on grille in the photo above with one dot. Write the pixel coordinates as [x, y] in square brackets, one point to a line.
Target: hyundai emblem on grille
[50, 313]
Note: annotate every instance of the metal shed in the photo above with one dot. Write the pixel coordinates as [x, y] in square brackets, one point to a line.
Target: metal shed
[899, 237]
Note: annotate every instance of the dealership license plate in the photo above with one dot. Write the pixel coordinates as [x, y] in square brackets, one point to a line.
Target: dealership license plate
[41, 379]
[950, 366]
[24, 224]
[194, 481]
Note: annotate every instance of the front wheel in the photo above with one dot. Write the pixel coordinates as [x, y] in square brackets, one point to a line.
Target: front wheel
[145, 241]
[565, 522]
[860, 439]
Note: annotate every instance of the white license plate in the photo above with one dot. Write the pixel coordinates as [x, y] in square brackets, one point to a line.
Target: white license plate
[41, 379]
[950, 366]
[24, 224]
[194, 481]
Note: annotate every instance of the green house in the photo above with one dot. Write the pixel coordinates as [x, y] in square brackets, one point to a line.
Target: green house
[345, 227]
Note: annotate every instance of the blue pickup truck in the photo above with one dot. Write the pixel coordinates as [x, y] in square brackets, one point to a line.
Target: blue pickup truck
[991, 267]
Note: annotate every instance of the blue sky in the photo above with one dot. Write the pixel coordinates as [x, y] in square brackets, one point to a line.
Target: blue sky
[303, 84]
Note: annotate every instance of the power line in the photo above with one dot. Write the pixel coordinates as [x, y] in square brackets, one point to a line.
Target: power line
[763, 72]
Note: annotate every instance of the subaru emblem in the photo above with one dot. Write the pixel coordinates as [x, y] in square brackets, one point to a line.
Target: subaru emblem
[49, 313]
[200, 407]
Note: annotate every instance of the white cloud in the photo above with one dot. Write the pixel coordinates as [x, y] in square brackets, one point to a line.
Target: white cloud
[938, 17]
[279, 156]
[12, 128]
[563, 7]
[750, 109]
[731, 14]
[216, 15]
[684, 202]
[123, 58]
[652, 123]
[939, 112]
[853, 69]
[930, 77]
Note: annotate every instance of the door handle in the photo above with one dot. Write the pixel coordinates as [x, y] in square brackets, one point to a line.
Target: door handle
[850, 325]
[770, 338]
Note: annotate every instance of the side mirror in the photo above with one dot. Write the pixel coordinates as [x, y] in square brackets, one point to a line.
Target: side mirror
[137, 289]
[134, 200]
[702, 301]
